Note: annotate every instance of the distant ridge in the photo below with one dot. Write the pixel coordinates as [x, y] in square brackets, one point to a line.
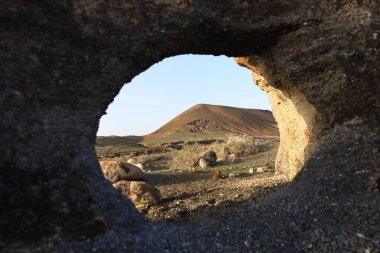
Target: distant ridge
[205, 118]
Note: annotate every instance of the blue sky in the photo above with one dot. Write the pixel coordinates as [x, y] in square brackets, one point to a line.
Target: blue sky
[175, 84]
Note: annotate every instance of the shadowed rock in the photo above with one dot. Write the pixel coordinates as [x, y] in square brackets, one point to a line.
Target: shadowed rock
[63, 62]
[139, 192]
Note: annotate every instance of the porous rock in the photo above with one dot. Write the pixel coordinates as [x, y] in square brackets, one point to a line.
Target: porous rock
[139, 192]
[115, 171]
[144, 193]
[134, 173]
[63, 62]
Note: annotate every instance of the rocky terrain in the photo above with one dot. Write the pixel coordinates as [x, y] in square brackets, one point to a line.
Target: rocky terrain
[63, 62]
[198, 199]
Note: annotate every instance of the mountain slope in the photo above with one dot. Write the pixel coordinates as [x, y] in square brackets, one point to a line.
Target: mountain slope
[206, 119]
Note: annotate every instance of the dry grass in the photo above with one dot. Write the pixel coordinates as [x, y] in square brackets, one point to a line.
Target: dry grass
[152, 158]
[187, 157]
[241, 145]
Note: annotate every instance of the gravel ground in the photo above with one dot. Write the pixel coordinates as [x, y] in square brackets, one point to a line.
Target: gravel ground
[196, 198]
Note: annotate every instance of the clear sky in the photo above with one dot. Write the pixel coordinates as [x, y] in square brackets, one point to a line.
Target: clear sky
[170, 87]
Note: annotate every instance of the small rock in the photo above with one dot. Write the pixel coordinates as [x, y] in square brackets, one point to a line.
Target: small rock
[260, 170]
[231, 158]
[131, 161]
[139, 165]
[251, 170]
[216, 175]
[218, 203]
[360, 235]
[203, 163]
[232, 175]
[247, 244]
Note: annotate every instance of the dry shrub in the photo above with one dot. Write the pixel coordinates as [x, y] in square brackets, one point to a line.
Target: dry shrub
[241, 144]
[188, 157]
[152, 158]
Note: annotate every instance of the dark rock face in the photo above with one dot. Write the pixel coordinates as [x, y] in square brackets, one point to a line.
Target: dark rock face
[210, 158]
[63, 62]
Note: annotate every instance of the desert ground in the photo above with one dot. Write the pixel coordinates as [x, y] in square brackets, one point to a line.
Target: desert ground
[191, 195]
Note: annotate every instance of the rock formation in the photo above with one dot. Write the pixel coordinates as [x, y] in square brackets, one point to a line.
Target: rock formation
[63, 62]
[139, 192]
[209, 158]
[115, 171]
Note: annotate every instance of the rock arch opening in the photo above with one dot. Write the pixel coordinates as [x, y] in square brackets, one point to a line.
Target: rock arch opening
[214, 108]
[64, 61]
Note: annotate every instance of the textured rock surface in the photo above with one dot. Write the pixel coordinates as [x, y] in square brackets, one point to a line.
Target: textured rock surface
[62, 63]
[298, 120]
[134, 173]
[139, 192]
[115, 171]
[144, 193]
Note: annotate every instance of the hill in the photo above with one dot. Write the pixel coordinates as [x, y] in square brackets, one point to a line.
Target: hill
[113, 140]
[215, 121]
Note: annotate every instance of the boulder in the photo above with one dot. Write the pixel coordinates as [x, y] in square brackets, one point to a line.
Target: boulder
[139, 192]
[210, 158]
[113, 171]
[232, 175]
[134, 173]
[144, 193]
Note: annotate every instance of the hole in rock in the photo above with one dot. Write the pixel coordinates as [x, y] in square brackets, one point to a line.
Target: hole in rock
[201, 135]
